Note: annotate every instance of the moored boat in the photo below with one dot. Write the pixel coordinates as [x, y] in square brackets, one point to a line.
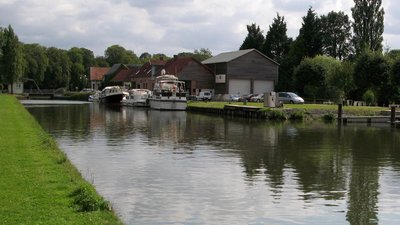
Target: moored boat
[168, 94]
[137, 97]
[95, 97]
[111, 94]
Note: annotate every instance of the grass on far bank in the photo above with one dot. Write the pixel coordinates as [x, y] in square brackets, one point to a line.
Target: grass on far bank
[309, 108]
[38, 184]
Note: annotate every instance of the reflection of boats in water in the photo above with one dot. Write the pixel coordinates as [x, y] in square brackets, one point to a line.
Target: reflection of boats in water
[137, 97]
[167, 126]
[95, 97]
[111, 94]
[168, 94]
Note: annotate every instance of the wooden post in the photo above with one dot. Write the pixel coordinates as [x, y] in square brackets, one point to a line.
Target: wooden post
[392, 115]
[340, 112]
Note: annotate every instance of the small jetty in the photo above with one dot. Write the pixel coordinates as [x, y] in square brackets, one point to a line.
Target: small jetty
[391, 117]
[242, 110]
[232, 110]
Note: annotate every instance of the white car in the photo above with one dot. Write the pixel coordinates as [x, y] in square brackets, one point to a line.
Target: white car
[290, 97]
[234, 98]
[203, 96]
[257, 98]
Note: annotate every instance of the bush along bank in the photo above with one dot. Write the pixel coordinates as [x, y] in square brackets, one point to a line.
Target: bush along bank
[38, 183]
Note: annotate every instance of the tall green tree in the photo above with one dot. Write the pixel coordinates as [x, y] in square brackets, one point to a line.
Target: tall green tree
[101, 61]
[88, 59]
[1, 55]
[371, 73]
[36, 62]
[12, 61]
[144, 57]
[395, 80]
[117, 54]
[77, 76]
[313, 75]
[276, 43]
[202, 54]
[336, 35]
[160, 56]
[58, 72]
[310, 35]
[368, 16]
[254, 38]
[339, 80]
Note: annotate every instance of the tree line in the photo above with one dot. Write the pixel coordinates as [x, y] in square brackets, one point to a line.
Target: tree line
[53, 68]
[333, 57]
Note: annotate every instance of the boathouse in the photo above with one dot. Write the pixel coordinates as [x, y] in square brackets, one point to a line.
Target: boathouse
[243, 72]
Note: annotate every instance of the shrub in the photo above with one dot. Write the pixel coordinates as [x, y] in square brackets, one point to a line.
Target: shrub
[276, 115]
[330, 117]
[86, 199]
[369, 97]
[297, 115]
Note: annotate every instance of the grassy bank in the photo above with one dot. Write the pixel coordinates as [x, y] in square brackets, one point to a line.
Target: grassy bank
[38, 184]
[315, 111]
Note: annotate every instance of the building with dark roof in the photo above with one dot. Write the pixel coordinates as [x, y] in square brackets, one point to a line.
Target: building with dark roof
[123, 76]
[243, 72]
[196, 76]
[145, 76]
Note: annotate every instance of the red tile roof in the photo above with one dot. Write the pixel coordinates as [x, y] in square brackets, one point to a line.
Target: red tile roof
[125, 74]
[97, 73]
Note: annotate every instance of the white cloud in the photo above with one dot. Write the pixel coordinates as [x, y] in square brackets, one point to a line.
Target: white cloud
[157, 26]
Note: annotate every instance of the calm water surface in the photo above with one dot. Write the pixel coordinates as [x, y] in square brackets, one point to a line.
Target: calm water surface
[185, 168]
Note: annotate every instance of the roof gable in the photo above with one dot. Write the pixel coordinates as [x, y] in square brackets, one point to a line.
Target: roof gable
[175, 65]
[97, 73]
[146, 69]
[124, 75]
[229, 56]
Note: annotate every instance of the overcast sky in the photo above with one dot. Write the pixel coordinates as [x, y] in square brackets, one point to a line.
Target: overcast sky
[160, 26]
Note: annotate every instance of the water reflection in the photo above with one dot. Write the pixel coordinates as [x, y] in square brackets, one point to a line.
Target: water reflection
[177, 167]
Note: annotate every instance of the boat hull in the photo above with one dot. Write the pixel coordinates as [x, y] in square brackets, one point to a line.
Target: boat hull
[175, 104]
[115, 98]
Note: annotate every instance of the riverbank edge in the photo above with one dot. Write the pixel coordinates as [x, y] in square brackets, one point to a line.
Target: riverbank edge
[287, 113]
[38, 182]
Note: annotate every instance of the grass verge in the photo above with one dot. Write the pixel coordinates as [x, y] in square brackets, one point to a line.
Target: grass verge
[38, 184]
[312, 110]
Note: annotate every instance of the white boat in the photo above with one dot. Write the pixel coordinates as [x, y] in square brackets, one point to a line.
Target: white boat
[137, 97]
[94, 97]
[111, 94]
[168, 94]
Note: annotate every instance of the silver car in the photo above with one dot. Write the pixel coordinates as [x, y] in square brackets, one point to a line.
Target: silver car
[290, 97]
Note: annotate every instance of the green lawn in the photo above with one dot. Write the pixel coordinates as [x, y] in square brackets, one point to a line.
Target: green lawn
[312, 108]
[36, 178]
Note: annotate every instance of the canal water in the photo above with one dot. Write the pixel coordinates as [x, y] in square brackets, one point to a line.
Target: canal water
[186, 168]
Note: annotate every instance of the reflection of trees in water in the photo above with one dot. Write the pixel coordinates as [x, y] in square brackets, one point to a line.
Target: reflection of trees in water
[71, 120]
[332, 163]
[329, 163]
[364, 180]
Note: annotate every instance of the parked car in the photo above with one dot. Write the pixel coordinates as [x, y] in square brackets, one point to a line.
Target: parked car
[203, 96]
[247, 97]
[290, 97]
[88, 90]
[257, 98]
[234, 98]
